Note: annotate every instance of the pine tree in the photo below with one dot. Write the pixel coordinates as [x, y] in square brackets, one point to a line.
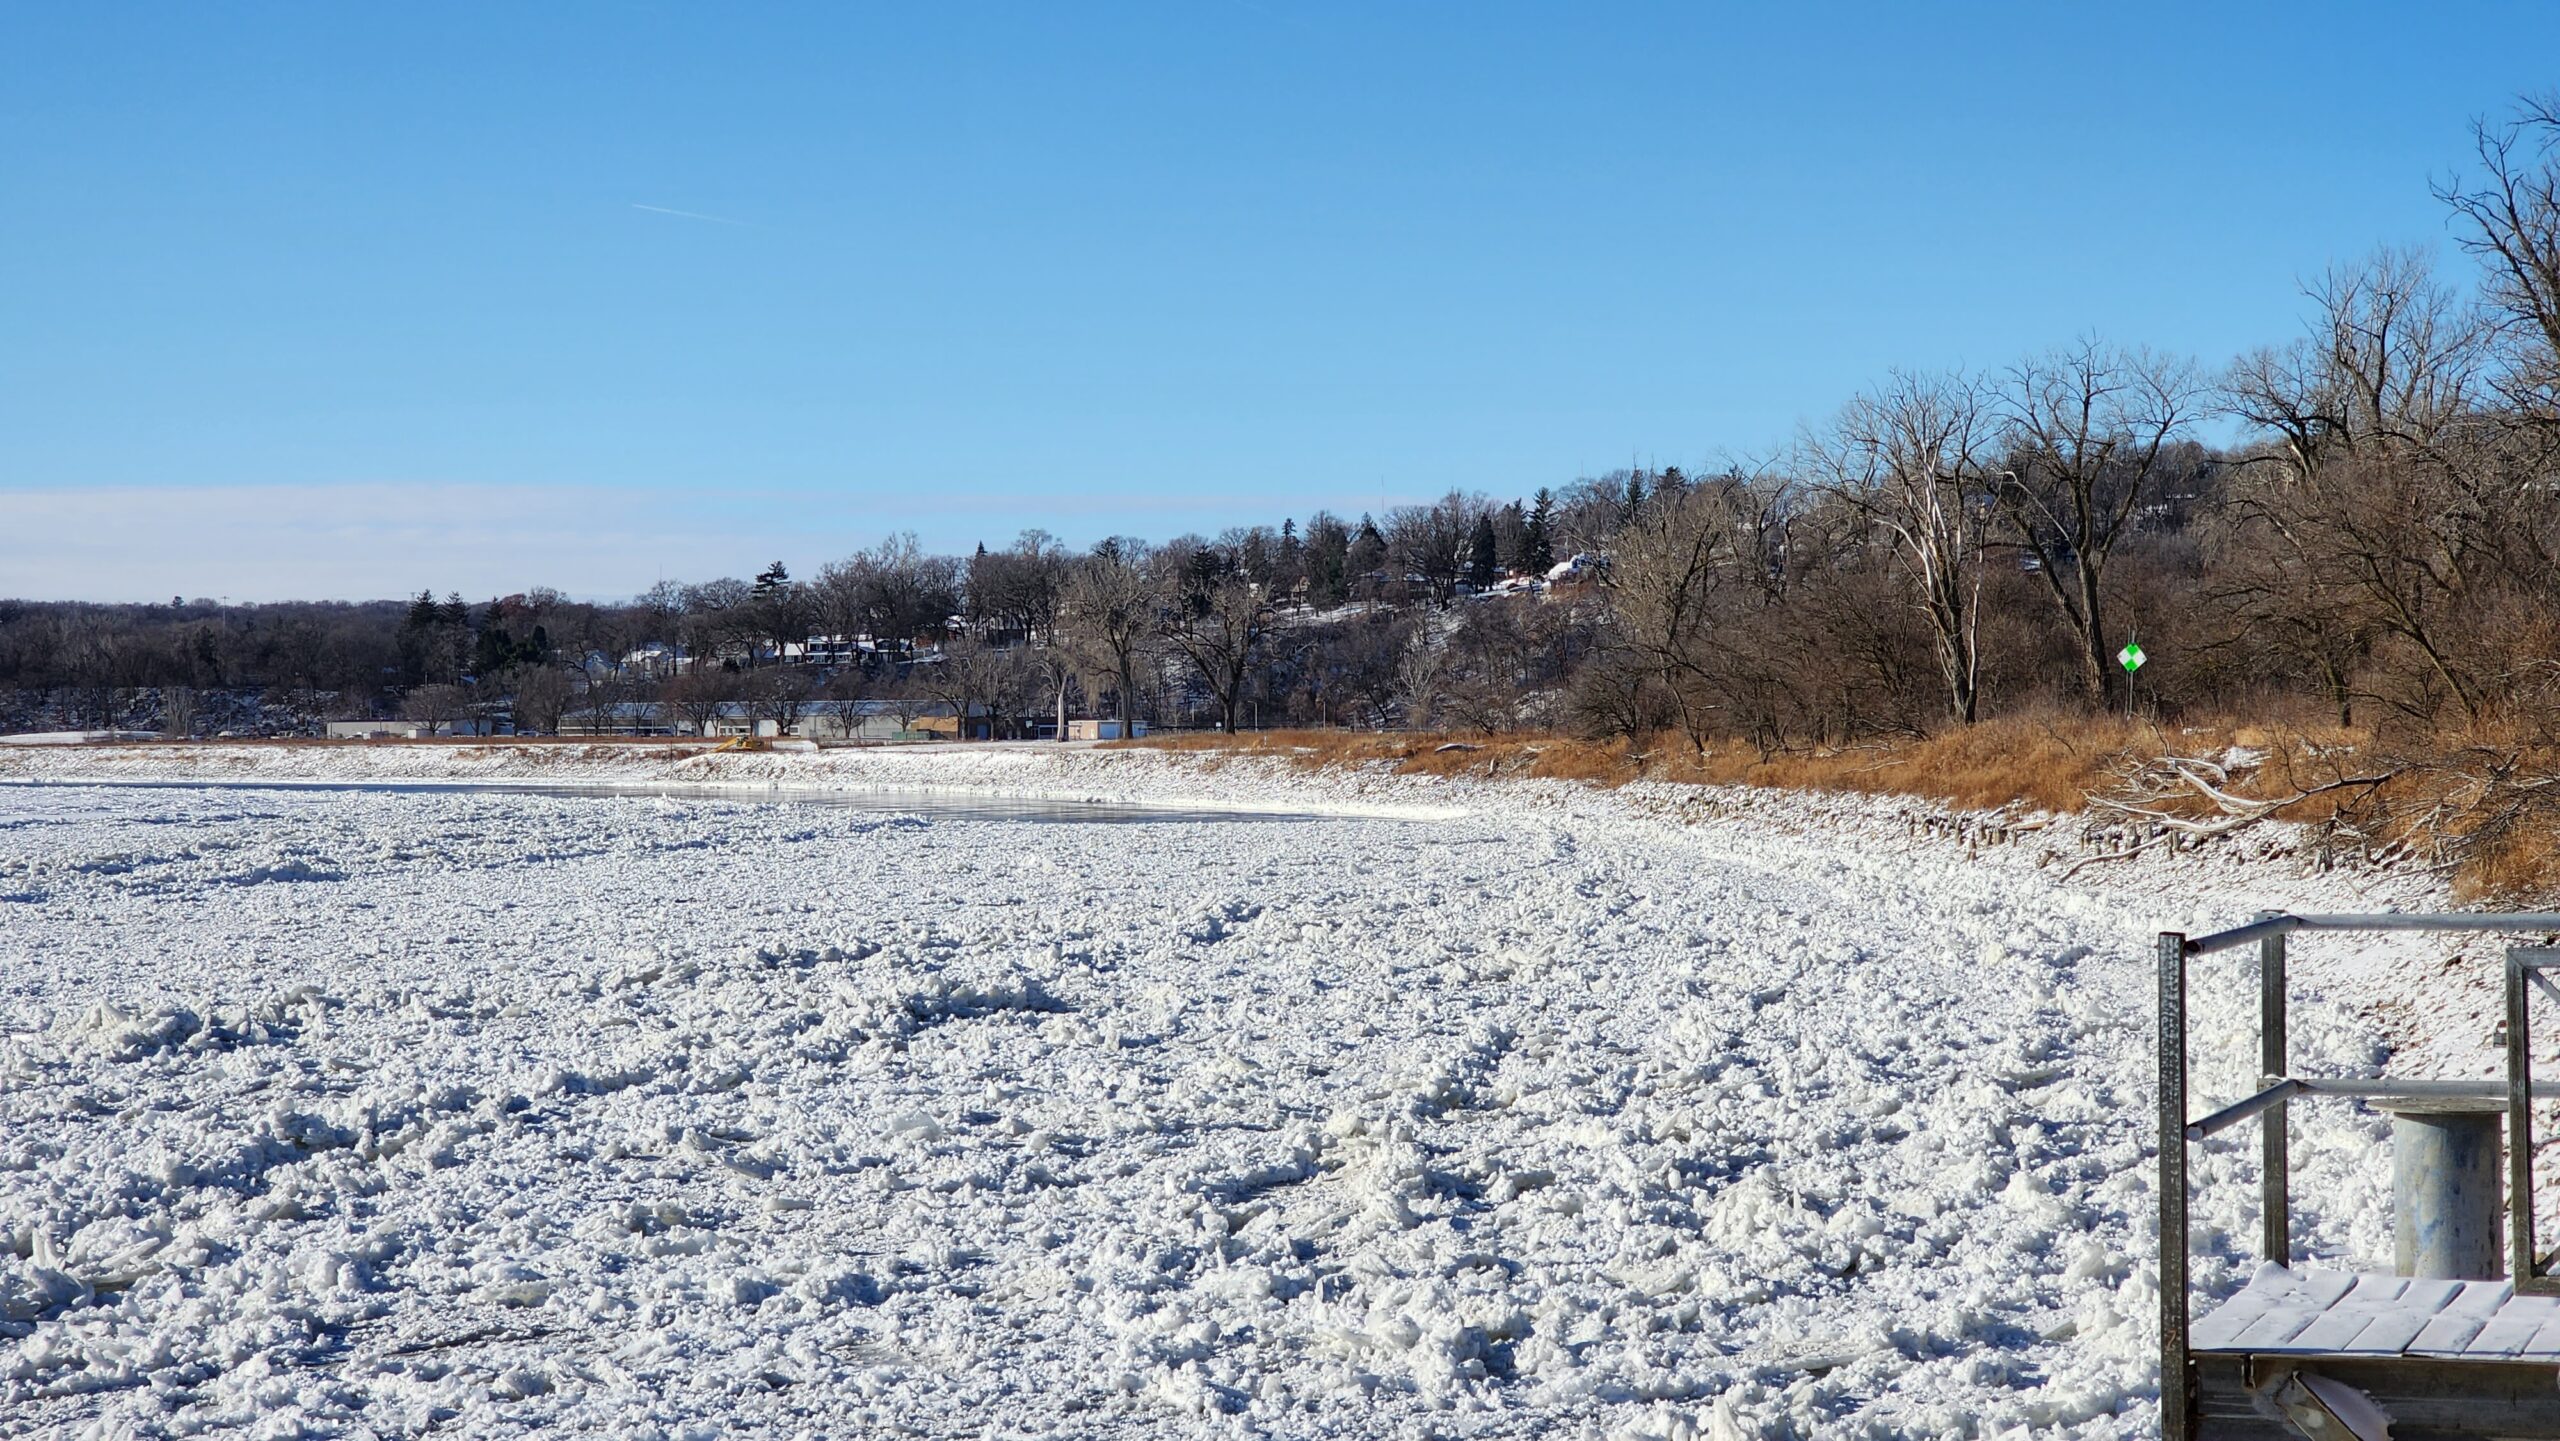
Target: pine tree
[1368, 552]
[1537, 538]
[1482, 561]
[1510, 528]
[1328, 560]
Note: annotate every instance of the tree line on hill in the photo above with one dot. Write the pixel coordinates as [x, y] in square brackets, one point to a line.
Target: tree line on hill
[2381, 547]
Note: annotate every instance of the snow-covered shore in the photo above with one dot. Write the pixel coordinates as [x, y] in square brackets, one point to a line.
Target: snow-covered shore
[1071, 773]
[1484, 1108]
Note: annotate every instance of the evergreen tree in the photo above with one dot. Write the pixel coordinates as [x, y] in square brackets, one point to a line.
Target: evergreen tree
[1289, 560]
[1510, 527]
[1482, 560]
[1206, 566]
[1537, 538]
[492, 649]
[1368, 553]
[1328, 560]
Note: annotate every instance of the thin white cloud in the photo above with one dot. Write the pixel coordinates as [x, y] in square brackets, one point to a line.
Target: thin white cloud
[695, 215]
[348, 542]
[370, 540]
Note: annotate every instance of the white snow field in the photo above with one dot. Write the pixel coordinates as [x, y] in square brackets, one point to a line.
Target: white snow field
[1534, 1111]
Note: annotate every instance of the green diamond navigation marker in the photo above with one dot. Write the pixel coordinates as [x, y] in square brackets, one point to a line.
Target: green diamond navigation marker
[2131, 657]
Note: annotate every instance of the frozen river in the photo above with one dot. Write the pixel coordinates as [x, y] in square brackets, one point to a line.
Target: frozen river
[942, 804]
[396, 1111]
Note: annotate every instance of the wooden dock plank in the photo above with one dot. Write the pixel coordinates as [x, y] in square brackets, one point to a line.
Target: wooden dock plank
[2502, 1337]
[2545, 1345]
[2321, 1290]
[2512, 1327]
[2429, 1295]
[2281, 1323]
[2480, 1298]
[2334, 1331]
[2371, 1289]
[2389, 1334]
[2339, 1313]
[2224, 1322]
[2446, 1335]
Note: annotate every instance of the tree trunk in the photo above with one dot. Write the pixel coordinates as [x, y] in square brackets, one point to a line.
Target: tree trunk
[2093, 635]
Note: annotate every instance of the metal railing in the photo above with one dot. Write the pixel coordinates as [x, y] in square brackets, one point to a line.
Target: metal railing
[2269, 933]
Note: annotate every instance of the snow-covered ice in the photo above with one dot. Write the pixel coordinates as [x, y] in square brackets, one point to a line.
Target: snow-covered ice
[1498, 1110]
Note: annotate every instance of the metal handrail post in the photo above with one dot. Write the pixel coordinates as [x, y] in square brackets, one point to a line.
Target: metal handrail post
[2276, 1167]
[2519, 1123]
[2523, 962]
[2177, 1391]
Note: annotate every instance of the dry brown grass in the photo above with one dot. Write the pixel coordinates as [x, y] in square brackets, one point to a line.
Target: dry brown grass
[2483, 809]
[2044, 763]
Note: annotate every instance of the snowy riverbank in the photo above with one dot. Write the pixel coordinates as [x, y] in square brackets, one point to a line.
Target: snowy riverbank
[1500, 1109]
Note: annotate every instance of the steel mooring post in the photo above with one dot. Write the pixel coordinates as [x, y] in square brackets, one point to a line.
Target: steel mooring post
[2448, 1200]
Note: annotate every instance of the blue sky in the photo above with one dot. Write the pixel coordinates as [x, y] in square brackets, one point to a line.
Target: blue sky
[353, 300]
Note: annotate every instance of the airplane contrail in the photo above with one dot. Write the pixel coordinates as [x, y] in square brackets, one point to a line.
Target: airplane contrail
[694, 215]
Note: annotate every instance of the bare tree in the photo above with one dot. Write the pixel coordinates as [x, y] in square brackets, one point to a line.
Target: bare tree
[2383, 507]
[1431, 541]
[1055, 668]
[908, 700]
[1108, 612]
[436, 707]
[1682, 566]
[1909, 457]
[968, 677]
[780, 696]
[700, 696]
[177, 711]
[1418, 674]
[2513, 225]
[1216, 617]
[2086, 429]
[847, 691]
[894, 593]
[720, 622]
[541, 698]
[600, 700]
[1014, 592]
